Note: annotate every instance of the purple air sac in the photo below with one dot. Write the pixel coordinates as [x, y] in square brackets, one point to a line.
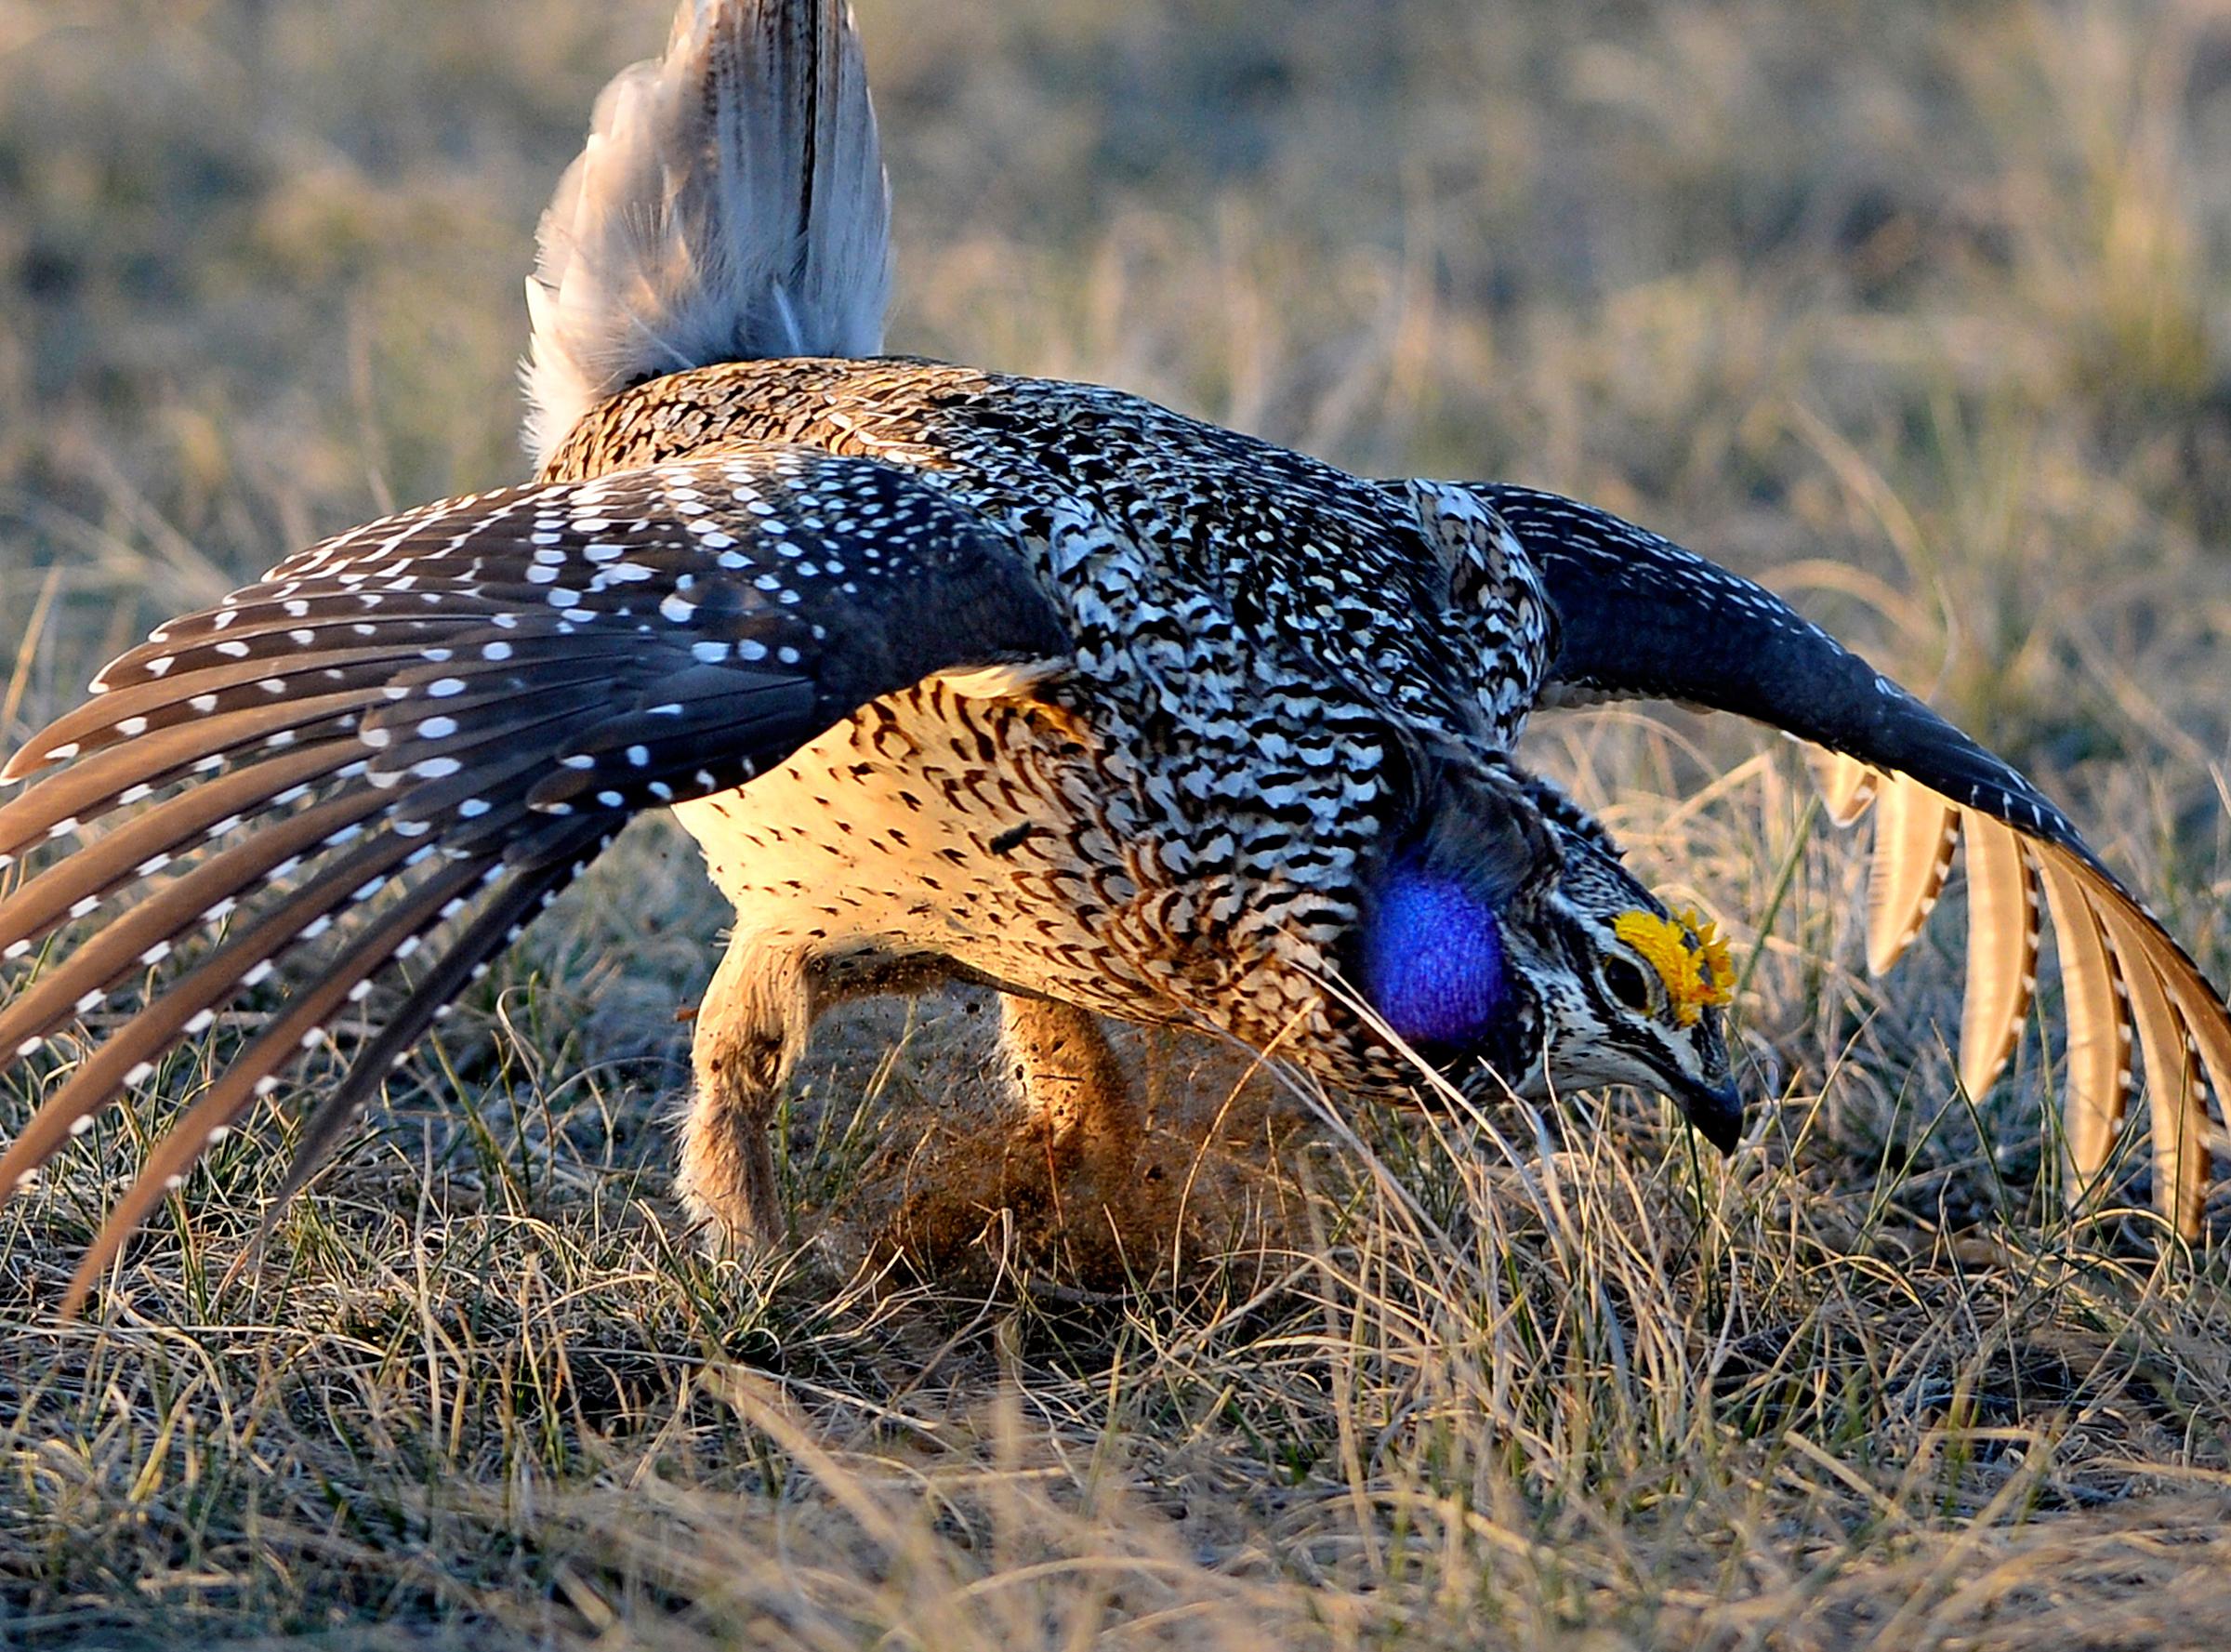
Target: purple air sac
[1433, 962]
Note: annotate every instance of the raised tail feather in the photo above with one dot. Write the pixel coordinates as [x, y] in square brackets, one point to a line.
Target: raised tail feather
[730, 205]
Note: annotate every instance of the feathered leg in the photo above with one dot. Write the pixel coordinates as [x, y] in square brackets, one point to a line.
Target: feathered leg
[1071, 1078]
[751, 1029]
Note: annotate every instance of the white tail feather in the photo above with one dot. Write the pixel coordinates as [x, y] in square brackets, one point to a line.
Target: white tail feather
[730, 205]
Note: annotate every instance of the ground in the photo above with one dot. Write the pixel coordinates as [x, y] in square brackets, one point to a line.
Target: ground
[1922, 314]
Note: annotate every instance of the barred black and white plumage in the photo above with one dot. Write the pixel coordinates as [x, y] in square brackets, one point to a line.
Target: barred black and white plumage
[956, 673]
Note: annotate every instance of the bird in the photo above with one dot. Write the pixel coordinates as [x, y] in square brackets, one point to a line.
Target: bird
[959, 675]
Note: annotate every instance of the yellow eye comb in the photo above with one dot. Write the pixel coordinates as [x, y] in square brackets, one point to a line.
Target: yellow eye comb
[1689, 955]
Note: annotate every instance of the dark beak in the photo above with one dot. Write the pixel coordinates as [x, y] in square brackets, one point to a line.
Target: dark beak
[1715, 1110]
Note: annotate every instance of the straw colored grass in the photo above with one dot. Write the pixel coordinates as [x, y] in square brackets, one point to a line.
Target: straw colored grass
[1917, 312]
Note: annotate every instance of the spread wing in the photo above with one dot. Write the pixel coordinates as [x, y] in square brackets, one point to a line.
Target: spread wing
[1641, 617]
[423, 730]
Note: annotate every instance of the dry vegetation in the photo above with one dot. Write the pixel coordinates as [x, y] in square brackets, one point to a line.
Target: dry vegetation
[1922, 312]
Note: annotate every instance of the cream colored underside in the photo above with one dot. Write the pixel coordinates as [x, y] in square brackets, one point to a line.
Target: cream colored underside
[932, 824]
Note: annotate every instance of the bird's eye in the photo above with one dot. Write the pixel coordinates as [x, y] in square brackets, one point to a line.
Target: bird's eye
[1626, 983]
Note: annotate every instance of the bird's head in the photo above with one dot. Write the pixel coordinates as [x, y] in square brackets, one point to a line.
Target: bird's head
[1569, 976]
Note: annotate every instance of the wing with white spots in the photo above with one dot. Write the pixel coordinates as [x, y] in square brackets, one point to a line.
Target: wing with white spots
[1642, 617]
[423, 729]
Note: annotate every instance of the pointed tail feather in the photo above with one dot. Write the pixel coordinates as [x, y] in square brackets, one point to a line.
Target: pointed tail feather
[730, 205]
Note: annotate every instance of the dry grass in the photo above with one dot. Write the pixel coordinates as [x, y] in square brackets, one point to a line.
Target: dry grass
[1919, 312]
